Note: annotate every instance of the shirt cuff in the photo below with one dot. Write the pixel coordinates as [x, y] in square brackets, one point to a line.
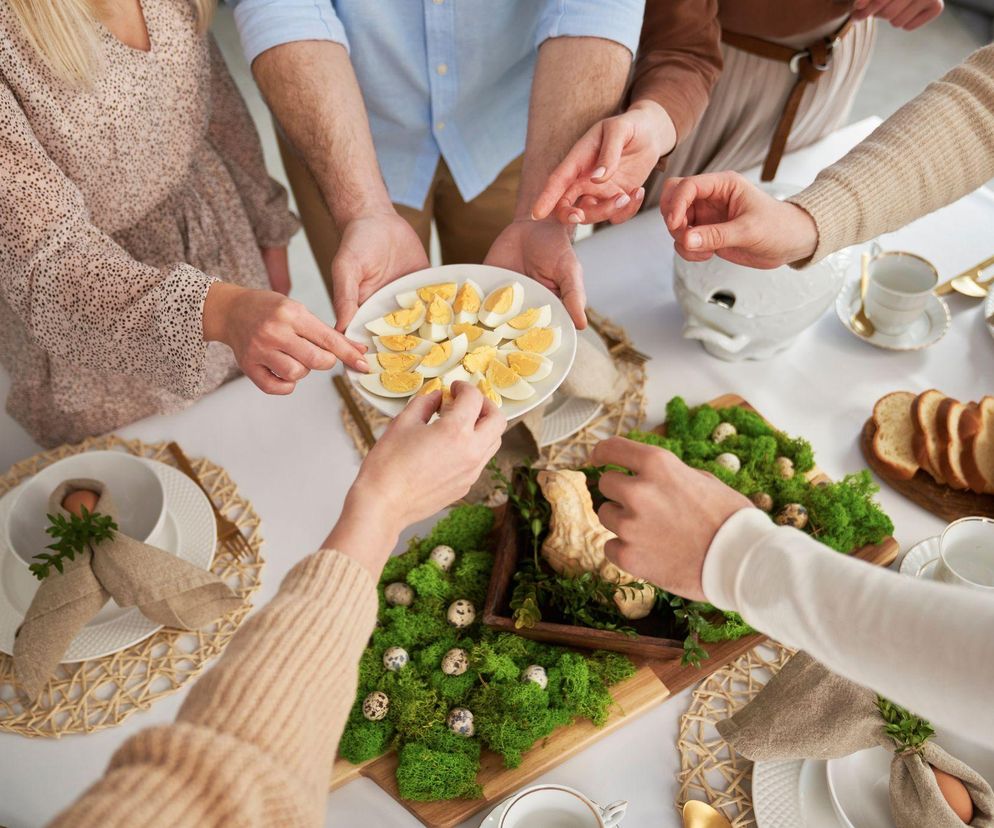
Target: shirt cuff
[617, 20]
[835, 210]
[728, 553]
[263, 24]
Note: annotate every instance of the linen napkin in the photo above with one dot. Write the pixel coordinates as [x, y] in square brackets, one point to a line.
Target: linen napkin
[167, 590]
[808, 712]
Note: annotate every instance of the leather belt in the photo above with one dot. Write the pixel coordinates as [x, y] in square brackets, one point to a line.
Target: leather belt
[808, 63]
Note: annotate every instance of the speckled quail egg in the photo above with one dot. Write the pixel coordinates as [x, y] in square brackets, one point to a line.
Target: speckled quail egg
[543, 341]
[395, 658]
[443, 357]
[443, 557]
[728, 461]
[761, 500]
[405, 343]
[723, 431]
[375, 706]
[438, 319]
[455, 662]
[507, 383]
[399, 322]
[532, 318]
[785, 466]
[793, 514]
[476, 335]
[461, 613]
[390, 361]
[478, 359]
[466, 305]
[535, 673]
[460, 720]
[409, 298]
[398, 594]
[501, 304]
[392, 383]
[532, 367]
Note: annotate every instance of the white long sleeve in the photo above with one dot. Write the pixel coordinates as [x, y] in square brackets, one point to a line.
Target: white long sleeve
[927, 646]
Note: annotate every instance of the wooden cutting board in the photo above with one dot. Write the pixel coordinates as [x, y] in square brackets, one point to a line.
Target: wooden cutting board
[651, 685]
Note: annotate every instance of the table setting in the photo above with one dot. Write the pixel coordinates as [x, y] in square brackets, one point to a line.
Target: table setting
[632, 708]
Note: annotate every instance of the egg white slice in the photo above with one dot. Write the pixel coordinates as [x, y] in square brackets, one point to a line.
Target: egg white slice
[484, 387]
[512, 359]
[457, 350]
[420, 346]
[437, 321]
[493, 318]
[507, 383]
[516, 326]
[410, 361]
[388, 325]
[467, 293]
[457, 374]
[483, 336]
[425, 293]
[374, 383]
[529, 344]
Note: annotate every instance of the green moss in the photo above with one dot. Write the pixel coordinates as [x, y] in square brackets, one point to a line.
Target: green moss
[465, 529]
[429, 581]
[494, 665]
[471, 575]
[363, 739]
[426, 774]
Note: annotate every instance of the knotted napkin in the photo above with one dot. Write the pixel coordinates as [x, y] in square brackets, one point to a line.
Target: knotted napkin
[167, 590]
[807, 712]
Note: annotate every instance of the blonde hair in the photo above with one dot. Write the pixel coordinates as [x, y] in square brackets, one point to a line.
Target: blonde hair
[64, 32]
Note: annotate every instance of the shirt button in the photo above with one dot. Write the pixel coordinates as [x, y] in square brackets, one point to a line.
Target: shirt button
[441, 68]
[439, 125]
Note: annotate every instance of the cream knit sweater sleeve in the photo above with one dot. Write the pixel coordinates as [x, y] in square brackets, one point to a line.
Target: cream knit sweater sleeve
[932, 151]
[254, 743]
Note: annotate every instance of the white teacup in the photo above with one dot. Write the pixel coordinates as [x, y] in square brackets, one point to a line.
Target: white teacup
[898, 291]
[556, 806]
[966, 554]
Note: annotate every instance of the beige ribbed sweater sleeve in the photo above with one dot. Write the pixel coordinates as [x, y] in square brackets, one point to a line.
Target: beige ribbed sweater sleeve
[932, 151]
[254, 743]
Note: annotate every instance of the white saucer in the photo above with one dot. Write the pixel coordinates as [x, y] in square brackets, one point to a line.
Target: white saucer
[989, 311]
[928, 329]
[191, 534]
[919, 555]
[566, 415]
[792, 794]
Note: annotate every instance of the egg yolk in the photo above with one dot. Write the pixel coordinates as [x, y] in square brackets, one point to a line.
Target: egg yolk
[500, 300]
[479, 359]
[467, 300]
[524, 320]
[537, 340]
[405, 316]
[473, 332]
[439, 312]
[500, 376]
[488, 391]
[397, 362]
[400, 382]
[523, 364]
[438, 354]
[401, 342]
[444, 289]
[434, 384]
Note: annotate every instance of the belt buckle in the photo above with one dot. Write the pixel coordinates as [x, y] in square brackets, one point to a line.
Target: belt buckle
[795, 61]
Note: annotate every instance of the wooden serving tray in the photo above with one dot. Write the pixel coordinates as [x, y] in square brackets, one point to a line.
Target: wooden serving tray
[948, 503]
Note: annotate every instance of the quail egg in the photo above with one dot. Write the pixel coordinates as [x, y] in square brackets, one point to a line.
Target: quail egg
[443, 557]
[728, 461]
[466, 305]
[461, 613]
[392, 383]
[438, 318]
[529, 366]
[793, 514]
[395, 658]
[398, 594]
[723, 431]
[460, 720]
[531, 318]
[785, 466]
[507, 383]
[399, 322]
[405, 343]
[444, 290]
[542, 341]
[476, 335]
[535, 673]
[443, 356]
[501, 304]
[761, 500]
[390, 361]
[375, 706]
[455, 662]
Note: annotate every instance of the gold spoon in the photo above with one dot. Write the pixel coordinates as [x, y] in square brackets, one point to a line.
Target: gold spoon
[697, 814]
[860, 324]
[972, 282]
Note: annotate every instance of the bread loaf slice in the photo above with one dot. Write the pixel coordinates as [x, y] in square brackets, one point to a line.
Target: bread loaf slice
[948, 421]
[892, 441]
[977, 433]
[925, 441]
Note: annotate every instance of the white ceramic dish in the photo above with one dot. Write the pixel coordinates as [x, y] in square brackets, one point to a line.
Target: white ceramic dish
[792, 794]
[609, 816]
[916, 562]
[189, 531]
[385, 300]
[928, 329]
[567, 415]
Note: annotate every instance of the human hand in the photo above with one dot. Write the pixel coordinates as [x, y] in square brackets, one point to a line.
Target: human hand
[278, 268]
[544, 251]
[601, 177]
[276, 341]
[901, 14]
[722, 213]
[375, 249]
[665, 516]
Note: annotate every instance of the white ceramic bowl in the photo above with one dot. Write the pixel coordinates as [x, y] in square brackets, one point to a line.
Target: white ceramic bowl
[487, 277]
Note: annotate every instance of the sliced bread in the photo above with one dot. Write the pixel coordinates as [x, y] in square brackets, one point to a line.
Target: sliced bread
[892, 440]
[925, 441]
[948, 421]
[977, 432]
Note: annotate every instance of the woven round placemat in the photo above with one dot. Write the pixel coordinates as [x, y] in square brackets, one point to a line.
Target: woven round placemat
[709, 769]
[619, 417]
[102, 692]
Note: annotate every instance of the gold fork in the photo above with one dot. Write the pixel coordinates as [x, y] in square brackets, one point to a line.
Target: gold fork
[230, 536]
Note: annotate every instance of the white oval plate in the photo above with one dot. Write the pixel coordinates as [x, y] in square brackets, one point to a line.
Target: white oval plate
[792, 794]
[487, 277]
[191, 535]
[928, 329]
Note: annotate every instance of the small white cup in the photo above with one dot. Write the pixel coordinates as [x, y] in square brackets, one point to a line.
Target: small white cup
[966, 554]
[899, 288]
[556, 806]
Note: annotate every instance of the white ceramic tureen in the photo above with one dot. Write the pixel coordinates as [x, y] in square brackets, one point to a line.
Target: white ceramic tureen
[743, 313]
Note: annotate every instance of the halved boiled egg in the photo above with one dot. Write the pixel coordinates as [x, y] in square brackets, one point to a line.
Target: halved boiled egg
[392, 383]
[487, 389]
[444, 356]
[457, 374]
[475, 334]
[507, 383]
[403, 343]
[391, 361]
[502, 304]
[466, 305]
[438, 318]
[478, 360]
[531, 318]
[529, 366]
[542, 341]
[399, 322]
[409, 298]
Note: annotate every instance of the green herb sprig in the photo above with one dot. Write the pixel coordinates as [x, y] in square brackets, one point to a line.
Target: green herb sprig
[909, 732]
[73, 535]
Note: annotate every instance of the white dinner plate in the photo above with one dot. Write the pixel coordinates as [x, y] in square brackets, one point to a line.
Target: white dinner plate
[566, 415]
[384, 301]
[191, 533]
[921, 559]
[926, 330]
[792, 794]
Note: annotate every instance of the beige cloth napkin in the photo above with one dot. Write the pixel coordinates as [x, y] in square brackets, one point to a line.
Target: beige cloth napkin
[167, 590]
[807, 712]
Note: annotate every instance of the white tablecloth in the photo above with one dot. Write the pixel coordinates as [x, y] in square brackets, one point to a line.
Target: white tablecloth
[291, 457]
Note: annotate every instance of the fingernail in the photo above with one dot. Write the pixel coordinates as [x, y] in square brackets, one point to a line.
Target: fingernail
[532, 216]
[640, 194]
[362, 365]
[622, 200]
[573, 218]
[599, 172]
[694, 240]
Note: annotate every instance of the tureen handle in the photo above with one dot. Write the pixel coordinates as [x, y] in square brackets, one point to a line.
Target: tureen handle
[732, 344]
[613, 814]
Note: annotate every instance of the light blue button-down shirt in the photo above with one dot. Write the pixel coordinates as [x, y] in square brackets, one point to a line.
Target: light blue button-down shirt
[448, 78]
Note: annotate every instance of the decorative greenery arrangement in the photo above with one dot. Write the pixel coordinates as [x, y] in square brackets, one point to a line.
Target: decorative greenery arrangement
[909, 732]
[842, 515]
[510, 715]
[73, 535]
